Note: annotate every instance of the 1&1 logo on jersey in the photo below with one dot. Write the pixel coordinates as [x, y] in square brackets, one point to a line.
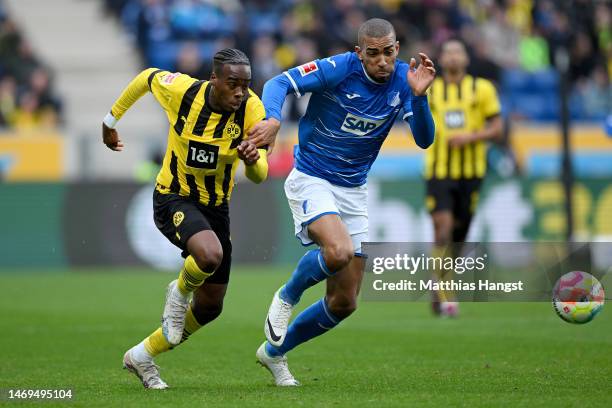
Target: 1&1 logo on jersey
[360, 126]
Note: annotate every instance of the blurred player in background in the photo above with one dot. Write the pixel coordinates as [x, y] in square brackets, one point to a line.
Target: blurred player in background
[208, 122]
[355, 99]
[467, 115]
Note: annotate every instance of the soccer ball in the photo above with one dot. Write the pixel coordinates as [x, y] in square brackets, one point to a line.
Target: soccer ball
[578, 297]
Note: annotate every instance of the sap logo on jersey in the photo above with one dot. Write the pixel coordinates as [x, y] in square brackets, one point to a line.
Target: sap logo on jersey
[360, 126]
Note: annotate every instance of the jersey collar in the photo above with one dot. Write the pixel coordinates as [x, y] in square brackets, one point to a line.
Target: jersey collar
[365, 73]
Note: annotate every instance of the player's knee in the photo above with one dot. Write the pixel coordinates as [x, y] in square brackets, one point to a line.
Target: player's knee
[207, 312]
[443, 235]
[342, 306]
[337, 256]
[208, 256]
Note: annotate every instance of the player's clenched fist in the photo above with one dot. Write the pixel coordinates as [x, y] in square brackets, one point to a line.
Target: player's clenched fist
[247, 151]
[110, 138]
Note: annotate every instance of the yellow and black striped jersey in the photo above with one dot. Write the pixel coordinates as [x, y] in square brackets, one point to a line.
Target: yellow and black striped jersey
[201, 158]
[459, 109]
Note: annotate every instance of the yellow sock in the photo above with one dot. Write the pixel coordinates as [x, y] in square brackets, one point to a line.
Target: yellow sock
[191, 325]
[156, 343]
[191, 276]
[441, 252]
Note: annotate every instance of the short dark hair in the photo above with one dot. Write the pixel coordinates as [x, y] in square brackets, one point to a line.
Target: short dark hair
[451, 40]
[230, 56]
[374, 28]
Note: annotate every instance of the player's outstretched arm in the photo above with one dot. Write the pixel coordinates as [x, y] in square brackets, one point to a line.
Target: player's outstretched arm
[255, 160]
[274, 93]
[134, 91]
[419, 118]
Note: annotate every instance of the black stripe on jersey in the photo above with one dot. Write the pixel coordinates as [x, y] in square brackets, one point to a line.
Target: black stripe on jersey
[221, 125]
[474, 95]
[459, 86]
[227, 175]
[152, 75]
[185, 107]
[445, 92]
[472, 146]
[239, 120]
[209, 184]
[194, 194]
[203, 116]
[175, 185]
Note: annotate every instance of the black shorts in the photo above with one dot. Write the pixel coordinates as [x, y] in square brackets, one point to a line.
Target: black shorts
[458, 196]
[179, 218]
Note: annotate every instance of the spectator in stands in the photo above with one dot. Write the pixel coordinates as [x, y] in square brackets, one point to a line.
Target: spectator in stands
[190, 62]
[8, 102]
[504, 34]
[26, 97]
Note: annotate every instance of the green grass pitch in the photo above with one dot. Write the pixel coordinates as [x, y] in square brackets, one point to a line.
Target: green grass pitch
[70, 329]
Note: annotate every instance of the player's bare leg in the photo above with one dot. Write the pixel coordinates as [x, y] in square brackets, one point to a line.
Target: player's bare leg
[207, 303]
[443, 302]
[336, 251]
[205, 307]
[343, 288]
[205, 257]
[335, 256]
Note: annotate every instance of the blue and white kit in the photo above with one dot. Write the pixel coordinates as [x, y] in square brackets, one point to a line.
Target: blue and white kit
[348, 117]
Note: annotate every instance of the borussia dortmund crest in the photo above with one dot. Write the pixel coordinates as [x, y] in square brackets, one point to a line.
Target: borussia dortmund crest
[233, 130]
[177, 218]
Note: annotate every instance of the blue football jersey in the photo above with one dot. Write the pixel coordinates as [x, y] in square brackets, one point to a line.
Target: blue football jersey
[348, 117]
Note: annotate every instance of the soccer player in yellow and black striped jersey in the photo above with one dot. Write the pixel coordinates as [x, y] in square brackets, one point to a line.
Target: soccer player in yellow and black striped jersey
[206, 140]
[466, 111]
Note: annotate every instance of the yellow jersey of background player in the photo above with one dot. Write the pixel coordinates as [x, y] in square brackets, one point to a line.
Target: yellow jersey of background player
[208, 123]
[466, 111]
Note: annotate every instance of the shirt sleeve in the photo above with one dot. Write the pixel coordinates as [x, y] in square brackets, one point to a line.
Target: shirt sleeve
[166, 87]
[258, 171]
[313, 76]
[255, 111]
[320, 74]
[489, 102]
[421, 122]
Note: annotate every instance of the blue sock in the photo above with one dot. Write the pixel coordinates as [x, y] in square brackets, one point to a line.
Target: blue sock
[310, 270]
[312, 322]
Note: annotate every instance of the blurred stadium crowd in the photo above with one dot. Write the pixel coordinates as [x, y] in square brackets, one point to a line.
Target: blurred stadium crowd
[513, 42]
[27, 99]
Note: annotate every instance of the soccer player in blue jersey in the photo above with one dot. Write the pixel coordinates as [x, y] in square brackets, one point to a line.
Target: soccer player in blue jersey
[355, 100]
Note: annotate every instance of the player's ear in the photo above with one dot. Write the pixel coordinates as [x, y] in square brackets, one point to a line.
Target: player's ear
[358, 52]
[396, 47]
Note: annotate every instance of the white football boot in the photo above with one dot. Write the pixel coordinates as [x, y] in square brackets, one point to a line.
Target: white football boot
[277, 366]
[277, 321]
[145, 370]
[173, 318]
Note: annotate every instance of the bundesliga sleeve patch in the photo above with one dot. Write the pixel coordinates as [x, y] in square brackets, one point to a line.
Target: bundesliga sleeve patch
[169, 78]
[308, 68]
